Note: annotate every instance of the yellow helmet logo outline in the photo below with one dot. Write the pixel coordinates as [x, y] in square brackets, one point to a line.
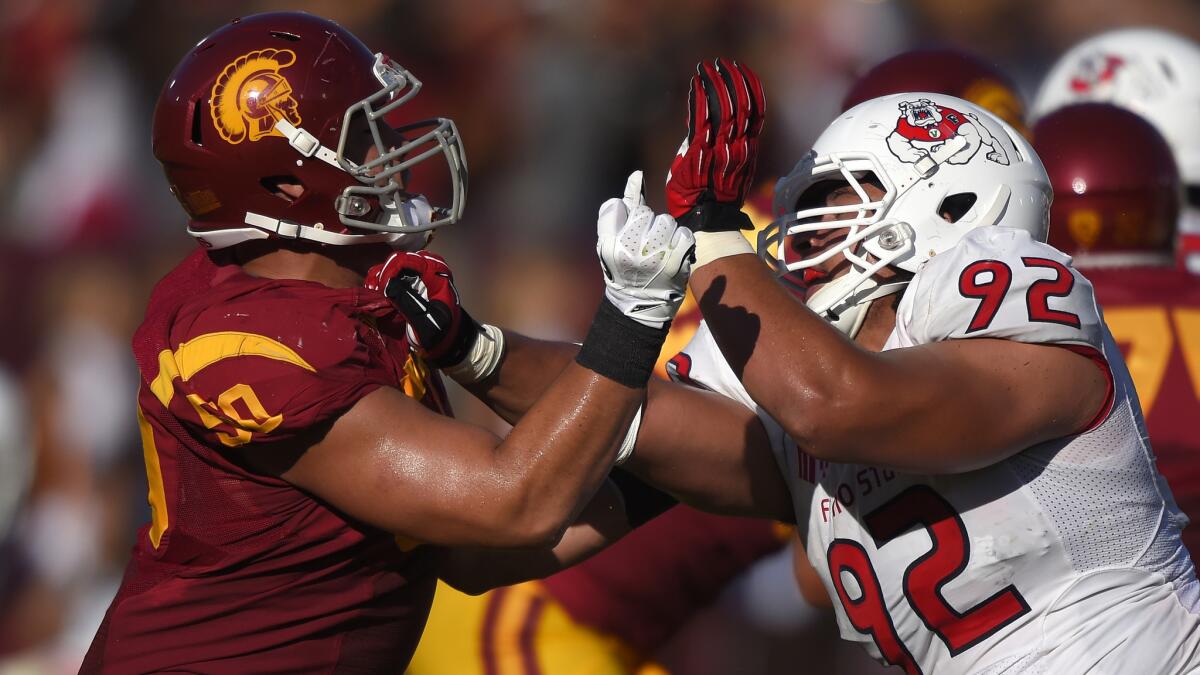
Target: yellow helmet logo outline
[250, 96]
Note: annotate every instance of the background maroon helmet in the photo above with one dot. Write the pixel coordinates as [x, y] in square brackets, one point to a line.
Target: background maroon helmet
[943, 71]
[288, 97]
[1117, 192]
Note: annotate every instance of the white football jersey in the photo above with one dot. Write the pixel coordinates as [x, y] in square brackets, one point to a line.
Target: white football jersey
[1064, 558]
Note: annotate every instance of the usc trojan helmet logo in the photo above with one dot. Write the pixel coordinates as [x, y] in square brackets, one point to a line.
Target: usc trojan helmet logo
[250, 96]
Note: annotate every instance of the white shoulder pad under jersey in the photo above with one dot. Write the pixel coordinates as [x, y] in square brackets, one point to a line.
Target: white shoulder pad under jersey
[999, 282]
[701, 364]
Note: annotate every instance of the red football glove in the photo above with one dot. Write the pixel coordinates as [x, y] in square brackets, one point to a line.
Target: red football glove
[714, 168]
[422, 288]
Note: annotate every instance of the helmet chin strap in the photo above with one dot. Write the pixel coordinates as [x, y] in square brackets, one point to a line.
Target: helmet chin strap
[413, 211]
[849, 315]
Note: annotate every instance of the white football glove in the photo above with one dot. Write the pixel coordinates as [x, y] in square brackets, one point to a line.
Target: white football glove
[646, 258]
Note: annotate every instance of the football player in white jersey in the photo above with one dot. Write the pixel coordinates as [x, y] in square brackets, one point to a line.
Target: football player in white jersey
[956, 426]
[947, 420]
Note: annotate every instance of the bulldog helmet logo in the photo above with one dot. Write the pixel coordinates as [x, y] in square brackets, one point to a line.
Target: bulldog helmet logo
[1096, 72]
[250, 96]
[928, 135]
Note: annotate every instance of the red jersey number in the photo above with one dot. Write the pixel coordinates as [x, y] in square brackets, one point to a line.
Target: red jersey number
[992, 291]
[924, 579]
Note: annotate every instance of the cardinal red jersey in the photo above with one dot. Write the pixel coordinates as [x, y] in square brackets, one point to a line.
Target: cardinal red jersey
[1154, 315]
[238, 571]
[644, 587]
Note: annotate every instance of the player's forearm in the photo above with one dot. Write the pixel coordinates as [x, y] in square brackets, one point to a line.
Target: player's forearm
[529, 367]
[476, 571]
[710, 452]
[791, 361]
[558, 454]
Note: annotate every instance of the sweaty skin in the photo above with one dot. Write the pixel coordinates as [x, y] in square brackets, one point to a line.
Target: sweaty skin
[924, 409]
[394, 464]
[929, 409]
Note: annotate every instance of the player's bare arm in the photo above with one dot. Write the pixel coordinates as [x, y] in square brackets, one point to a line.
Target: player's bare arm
[476, 570]
[399, 466]
[711, 452]
[950, 406]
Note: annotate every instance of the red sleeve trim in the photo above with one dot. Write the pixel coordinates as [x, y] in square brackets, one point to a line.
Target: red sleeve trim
[1097, 357]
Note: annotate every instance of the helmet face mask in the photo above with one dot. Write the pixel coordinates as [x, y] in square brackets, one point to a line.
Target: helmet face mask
[864, 245]
[418, 142]
[290, 98]
[957, 168]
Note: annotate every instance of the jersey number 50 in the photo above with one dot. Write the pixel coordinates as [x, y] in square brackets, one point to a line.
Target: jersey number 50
[924, 579]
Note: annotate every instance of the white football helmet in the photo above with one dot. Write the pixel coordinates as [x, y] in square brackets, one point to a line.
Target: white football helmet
[932, 154]
[1152, 72]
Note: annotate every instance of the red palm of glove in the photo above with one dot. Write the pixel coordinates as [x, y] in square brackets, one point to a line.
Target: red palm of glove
[422, 288]
[714, 168]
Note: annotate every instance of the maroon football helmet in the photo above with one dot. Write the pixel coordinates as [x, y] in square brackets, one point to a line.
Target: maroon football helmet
[1117, 192]
[288, 98]
[943, 71]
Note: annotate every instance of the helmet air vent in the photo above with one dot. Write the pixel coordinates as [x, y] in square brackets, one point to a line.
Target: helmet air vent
[955, 206]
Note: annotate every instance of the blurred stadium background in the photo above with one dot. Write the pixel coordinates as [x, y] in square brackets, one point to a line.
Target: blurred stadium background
[556, 101]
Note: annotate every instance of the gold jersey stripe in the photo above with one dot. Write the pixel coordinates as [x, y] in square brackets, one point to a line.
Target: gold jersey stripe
[198, 353]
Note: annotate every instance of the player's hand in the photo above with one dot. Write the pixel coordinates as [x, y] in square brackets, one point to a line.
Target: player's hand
[422, 288]
[646, 258]
[714, 167]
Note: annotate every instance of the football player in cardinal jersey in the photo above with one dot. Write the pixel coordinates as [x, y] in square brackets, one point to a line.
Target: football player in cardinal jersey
[1154, 73]
[1117, 199]
[306, 480]
[946, 71]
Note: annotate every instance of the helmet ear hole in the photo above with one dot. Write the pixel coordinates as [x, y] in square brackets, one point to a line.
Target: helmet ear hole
[287, 188]
[197, 118]
[955, 206]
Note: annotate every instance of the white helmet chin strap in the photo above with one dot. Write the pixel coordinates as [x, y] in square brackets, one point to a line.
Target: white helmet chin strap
[848, 313]
[415, 210]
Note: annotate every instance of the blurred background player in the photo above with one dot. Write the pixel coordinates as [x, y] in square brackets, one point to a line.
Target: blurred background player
[1117, 198]
[1156, 74]
[944, 70]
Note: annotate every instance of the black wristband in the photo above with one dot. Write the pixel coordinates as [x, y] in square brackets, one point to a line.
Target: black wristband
[643, 502]
[620, 348]
[468, 333]
[711, 216]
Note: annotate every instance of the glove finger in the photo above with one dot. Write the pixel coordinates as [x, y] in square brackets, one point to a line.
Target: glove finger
[700, 109]
[680, 253]
[720, 102]
[613, 215]
[739, 96]
[635, 190]
[758, 99]
[374, 276]
[717, 97]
